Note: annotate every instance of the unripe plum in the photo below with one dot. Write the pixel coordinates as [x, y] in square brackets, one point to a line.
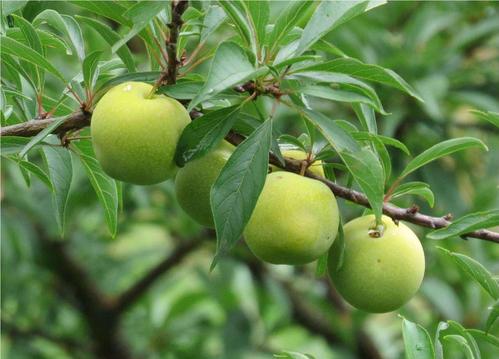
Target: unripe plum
[377, 274]
[194, 181]
[295, 220]
[135, 136]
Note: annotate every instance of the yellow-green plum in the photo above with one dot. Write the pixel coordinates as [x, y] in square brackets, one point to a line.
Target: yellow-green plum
[295, 220]
[135, 135]
[194, 181]
[377, 274]
[315, 167]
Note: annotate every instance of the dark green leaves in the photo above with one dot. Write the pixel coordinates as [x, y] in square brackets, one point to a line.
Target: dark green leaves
[111, 38]
[417, 341]
[60, 171]
[476, 271]
[12, 47]
[415, 188]
[90, 71]
[466, 224]
[327, 16]
[361, 162]
[41, 135]
[442, 149]
[105, 187]
[230, 67]
[250, 19]
[202, 134]
[286, 21]
[356, 68]
[489, 116]
[236, 190]
[66, 25]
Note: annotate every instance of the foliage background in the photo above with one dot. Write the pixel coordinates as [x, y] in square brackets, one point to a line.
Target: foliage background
[448, 51]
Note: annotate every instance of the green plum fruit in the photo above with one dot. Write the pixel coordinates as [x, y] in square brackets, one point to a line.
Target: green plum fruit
[377, 274]
[295, 220]
[194, 181]
[135, 135]
[315, 167]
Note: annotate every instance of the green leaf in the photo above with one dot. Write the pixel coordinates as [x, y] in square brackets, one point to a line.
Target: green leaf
[110, 9]
[480, 334]
[140, 14]
[90, 70]
[12, 47]
[292, 140]
[9, 7]
[148, 76]
[492, 117]
[321, 268]
[442, 149]
[417, 341]
[66, 25]
[329, 93]
[111, 37]
[476, 271]
[204, 133]
[292, 355]
[415, 188]
[344, 82]
[461, 341]
[182, 90]
[362, 163]
[237, 188]
[29, 33]
[60, 169]
[37, 171]
[33, 41]
[236, 13]
[439, 350]
[466, 224]
[214, 17]
[366, 116]
[258, 14]
[40, 136]
[466, 335]
[230, 67]
[493, 316]
[104, 186]
[286, 21]
[358, 69]
[361, 135]
[11, 145]
[327, 16]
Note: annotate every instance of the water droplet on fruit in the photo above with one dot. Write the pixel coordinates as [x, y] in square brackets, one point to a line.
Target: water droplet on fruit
[127, 88]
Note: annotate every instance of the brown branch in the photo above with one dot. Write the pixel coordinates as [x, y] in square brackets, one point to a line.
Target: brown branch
[75, 121]
[178, 8]
[81, 119]
[397, 213]
[92, 303]
[132, 294]
[69, 344]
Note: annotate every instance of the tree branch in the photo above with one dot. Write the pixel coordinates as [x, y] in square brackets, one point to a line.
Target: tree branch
[69, 344]
[132, 294]
[75, 121]
[81, 119]
[92, 303]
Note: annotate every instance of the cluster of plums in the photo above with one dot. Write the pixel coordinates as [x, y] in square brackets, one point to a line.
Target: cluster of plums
[296, 218]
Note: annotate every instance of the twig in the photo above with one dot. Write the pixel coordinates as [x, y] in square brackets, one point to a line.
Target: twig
[132, 294]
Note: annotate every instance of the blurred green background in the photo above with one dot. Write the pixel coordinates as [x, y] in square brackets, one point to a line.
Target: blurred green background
[449, 51]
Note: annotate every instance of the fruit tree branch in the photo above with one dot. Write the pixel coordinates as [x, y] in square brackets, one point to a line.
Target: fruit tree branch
[132, 294]
[81, 119]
